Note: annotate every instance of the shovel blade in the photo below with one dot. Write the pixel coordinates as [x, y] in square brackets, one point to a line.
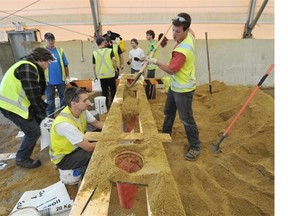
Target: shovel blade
[215, 148]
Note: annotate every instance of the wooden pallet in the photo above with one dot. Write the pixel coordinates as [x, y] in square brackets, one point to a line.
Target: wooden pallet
[95, 189]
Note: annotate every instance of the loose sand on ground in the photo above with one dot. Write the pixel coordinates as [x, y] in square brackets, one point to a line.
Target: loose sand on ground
[237, 181]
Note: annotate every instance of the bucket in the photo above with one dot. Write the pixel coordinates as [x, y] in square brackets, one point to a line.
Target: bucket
[130, 162]
[25, 211]
[72, 176]
[100, 104]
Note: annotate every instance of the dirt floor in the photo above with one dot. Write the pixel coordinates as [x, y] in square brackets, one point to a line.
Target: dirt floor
[237, 181]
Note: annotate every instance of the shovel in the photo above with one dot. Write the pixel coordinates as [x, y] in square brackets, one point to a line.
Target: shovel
[150, 56]
[216, 147]
[208, 62]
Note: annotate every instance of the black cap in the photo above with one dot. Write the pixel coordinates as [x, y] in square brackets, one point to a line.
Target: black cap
[49, 35]
[111, 35]
[99, 40]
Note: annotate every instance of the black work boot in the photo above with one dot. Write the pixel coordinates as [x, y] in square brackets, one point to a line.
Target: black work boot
[29, 163]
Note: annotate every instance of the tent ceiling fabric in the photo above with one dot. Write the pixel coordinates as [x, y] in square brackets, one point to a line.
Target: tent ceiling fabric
[203, 11]
[70, 14]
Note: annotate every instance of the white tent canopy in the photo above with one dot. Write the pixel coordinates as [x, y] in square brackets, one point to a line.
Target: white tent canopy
[73, 19]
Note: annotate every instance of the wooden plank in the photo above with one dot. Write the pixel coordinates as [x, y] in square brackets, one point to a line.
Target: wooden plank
[80, 202]
[97, 136]
[149, 212]
[165, 137]
[97, 205]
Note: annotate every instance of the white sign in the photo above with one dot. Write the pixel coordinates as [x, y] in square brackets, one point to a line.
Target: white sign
[45, 127]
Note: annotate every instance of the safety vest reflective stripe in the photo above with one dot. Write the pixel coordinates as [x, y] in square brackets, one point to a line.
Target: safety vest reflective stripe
[18, 103]
[65, 115]
[106, 70]
[190, 84]
[102, 59]
[55, 157]
[12, 95]
[186, 46]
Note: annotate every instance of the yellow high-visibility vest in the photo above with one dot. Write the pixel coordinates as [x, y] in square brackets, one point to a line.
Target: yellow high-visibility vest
[103, 63]
[185, 79]
[12, 95]
[60, 145]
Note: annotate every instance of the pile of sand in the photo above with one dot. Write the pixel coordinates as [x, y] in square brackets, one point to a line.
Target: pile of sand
[237, 181]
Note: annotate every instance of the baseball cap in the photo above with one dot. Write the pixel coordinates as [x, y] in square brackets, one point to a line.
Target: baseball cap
[99, 40]
[49, 35]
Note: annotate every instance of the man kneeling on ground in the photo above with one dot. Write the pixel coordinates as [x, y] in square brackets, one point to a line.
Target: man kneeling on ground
[69, 150]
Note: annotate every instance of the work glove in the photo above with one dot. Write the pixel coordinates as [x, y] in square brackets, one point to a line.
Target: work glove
[136, 59]
[151, 60]
[164, 41]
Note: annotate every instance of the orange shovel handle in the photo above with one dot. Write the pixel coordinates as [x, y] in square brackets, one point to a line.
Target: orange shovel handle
[249, 99]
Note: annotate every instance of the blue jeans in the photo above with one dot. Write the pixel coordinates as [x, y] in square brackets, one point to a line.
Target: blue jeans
[31, 129]
[182, 102]
[50, 96]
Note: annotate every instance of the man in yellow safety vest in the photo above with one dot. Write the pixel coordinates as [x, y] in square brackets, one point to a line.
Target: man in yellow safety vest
[181, 69]
[21, 91]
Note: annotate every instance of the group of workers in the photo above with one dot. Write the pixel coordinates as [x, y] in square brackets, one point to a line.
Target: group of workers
[46, 68]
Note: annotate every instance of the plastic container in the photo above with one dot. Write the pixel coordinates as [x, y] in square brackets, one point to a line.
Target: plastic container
[130, 162]
[26, 211]
[71, 177]
[100, 104]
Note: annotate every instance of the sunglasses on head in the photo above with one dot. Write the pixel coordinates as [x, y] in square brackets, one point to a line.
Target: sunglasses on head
[76, 93]
[179, 19]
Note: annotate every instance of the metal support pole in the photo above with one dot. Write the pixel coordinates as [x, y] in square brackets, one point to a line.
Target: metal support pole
[249, 26]
[96, 18]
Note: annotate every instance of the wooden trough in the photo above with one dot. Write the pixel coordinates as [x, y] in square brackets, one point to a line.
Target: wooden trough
[93, 197]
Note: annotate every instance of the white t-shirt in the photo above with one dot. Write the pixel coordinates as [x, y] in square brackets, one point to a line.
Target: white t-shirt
[71, 132]
[139, 53]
